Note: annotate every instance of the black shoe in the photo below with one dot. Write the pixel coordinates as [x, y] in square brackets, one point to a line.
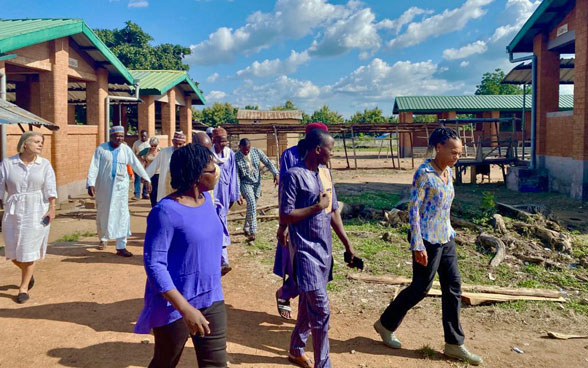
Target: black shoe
[123, 253]
[31, 283]
[22, 298]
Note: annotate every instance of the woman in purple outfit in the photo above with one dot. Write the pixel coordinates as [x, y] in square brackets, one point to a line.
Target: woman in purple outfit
[183, 295]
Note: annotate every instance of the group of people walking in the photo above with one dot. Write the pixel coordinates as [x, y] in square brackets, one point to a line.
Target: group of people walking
[192, 187]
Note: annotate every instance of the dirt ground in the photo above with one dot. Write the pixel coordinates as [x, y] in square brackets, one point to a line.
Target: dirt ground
[85, 302]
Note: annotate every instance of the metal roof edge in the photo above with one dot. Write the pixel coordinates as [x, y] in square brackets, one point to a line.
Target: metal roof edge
[107, 53]
[33, 38]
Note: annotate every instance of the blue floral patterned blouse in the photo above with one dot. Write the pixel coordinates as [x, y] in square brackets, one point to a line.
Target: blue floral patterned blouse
[429, 208]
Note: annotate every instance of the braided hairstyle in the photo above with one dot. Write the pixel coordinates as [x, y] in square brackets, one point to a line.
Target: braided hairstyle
[187, 164]
[441, 135]
[314, 138]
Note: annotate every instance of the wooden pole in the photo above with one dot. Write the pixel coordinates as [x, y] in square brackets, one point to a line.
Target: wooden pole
[392, 151]
[277, 147]
[411, 148]
[398, 145]
[345, 148]
[353, 144]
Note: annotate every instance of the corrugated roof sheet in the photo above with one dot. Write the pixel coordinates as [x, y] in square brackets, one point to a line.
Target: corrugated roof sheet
[269, 115]
[18, 33]
[158, 82]
[469, 104]
[12, 114]
[523, 73]
[545, 17]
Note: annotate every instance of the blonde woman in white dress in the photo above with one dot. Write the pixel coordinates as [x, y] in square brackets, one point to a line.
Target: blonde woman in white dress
[27, 180]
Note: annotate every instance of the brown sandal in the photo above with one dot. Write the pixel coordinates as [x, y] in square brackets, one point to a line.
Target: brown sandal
[301, 361]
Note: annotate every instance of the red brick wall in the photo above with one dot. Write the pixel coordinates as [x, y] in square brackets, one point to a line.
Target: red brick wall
[580, 129]
[560, 130]
[570, 19]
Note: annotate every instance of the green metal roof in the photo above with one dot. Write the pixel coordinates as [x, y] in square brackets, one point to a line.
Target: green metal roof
[18, 33]
[545, 17]
[469, 104]
[158, 82]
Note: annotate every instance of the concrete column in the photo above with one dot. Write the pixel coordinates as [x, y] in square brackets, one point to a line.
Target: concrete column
[54, 108]
[96, 93]
[579, 187]
[405, 149]
[168, 116]
[35, 91]
[186, 119]
[547, 87]
[490, 130]
[71, 114]
[146, 115]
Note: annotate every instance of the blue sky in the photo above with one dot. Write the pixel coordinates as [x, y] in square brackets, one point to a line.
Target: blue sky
[350, 55]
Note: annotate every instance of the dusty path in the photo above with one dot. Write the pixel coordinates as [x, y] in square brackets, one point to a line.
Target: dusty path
[85, 302]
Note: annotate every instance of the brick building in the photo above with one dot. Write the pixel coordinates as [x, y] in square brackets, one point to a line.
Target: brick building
[475, 106]
[556, 28]
[60, 70]
[267, 142]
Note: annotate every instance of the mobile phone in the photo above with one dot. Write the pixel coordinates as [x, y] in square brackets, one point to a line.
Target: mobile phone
[45, 221]
[356, 262]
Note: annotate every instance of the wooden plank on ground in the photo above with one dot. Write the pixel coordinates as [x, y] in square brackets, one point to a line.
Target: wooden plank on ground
[561, 336]
[483, 298]
[488, 289]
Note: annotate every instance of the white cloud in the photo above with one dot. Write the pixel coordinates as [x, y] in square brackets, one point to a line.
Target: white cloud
[290, 19]
[566, 89]
[216, 96]
[275, 92]
[212, 78]
[450, 20]
[138, 4]
[272, 68]
[464, 64]
[358, 30]
[521, 10]
[382, 81]
[403, 20]
[477, 47]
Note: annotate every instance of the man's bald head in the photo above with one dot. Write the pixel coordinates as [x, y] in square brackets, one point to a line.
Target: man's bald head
[203, 139]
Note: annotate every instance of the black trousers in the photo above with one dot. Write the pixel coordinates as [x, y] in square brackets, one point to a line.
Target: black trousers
[154, 186]
[442, 259]
[211, 350]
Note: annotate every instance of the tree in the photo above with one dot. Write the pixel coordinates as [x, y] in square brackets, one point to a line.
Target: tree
[326, 116]
[491, 85]
[288, 105]
[369, 116]
[217, 114]
[131, 45]
[251, 107]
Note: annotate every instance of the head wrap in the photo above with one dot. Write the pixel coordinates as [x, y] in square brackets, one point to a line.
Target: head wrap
[179, 135]
[117, 129]
[209, 130]
[219, 132]
[24, 137]
[316, 125]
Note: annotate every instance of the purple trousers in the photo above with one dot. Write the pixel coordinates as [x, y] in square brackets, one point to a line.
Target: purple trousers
[313, 316]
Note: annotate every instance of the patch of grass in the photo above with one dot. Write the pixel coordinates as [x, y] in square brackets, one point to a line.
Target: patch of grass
[427, 352]
[71, 238]
[376, 200]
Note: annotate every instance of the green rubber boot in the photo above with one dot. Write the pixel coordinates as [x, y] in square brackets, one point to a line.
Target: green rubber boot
[460, 352]
[387, 336]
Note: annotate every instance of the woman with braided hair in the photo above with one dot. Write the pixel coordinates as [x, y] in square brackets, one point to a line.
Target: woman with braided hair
[183, 295]
[433, 247]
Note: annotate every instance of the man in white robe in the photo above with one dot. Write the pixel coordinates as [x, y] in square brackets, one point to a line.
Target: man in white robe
[161, 164]
[108, 182]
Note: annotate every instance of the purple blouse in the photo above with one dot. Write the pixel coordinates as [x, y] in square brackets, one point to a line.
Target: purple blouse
[182, 251]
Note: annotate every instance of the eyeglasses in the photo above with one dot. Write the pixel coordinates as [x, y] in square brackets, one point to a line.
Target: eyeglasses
[154, 146]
